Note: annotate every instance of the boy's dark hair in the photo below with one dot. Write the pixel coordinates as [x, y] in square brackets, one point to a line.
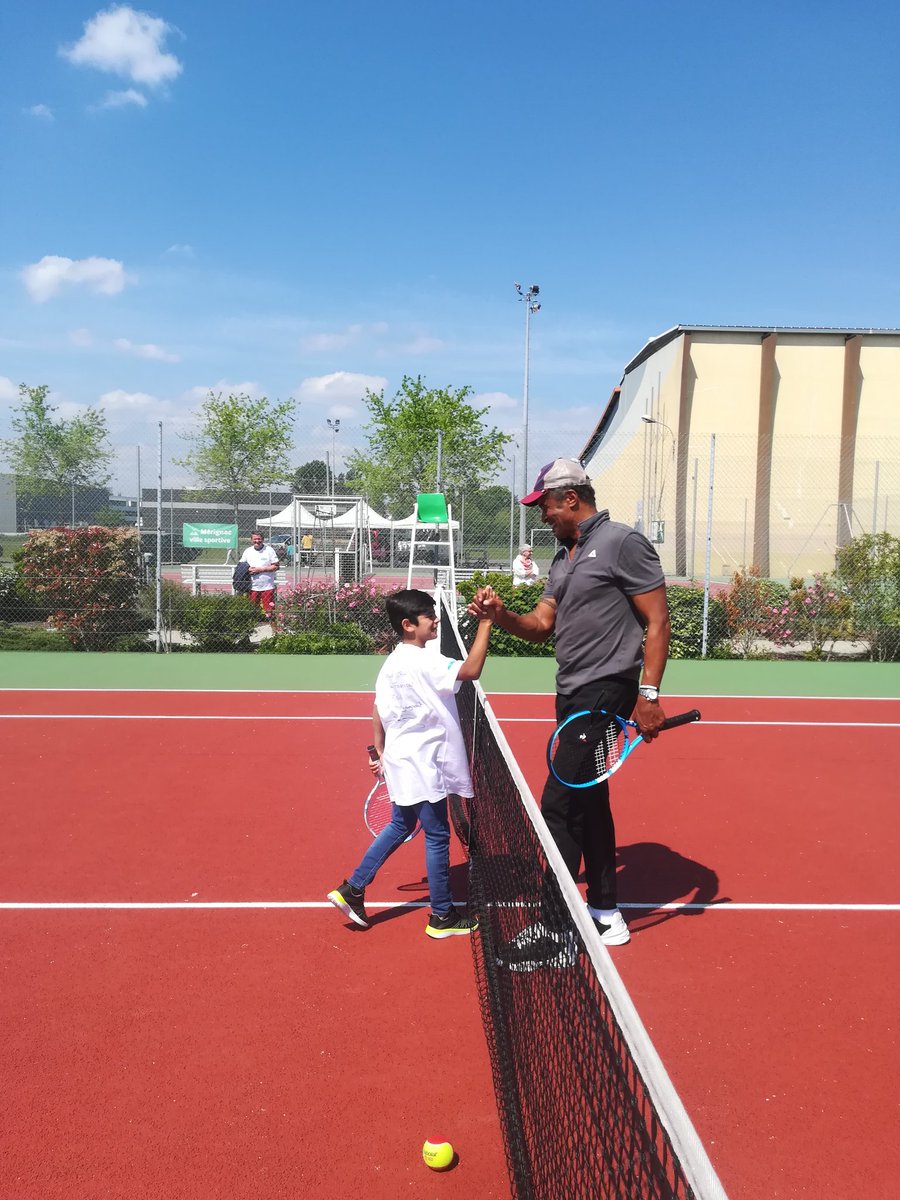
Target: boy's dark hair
[407, 605]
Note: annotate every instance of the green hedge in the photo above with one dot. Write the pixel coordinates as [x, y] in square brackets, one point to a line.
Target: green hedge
[220, 622]
[686, 618]
[338, 639]
[518, 600]
[685, 613]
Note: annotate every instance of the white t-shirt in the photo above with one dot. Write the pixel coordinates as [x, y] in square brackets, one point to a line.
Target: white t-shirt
[424, 753]
[261, 558]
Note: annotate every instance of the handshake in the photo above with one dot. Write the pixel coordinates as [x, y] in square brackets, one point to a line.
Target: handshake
[486, 605]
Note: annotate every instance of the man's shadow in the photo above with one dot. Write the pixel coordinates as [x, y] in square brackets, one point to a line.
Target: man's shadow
[651, 875]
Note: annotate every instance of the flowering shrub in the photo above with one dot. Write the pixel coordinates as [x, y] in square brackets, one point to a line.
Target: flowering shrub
[316, 607]
[817, 613]
[869, 568]
[89, 580]
[749, 606]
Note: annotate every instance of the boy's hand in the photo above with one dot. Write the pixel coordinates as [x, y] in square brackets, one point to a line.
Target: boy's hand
[486, 605]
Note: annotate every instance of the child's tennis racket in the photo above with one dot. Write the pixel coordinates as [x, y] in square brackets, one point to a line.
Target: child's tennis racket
[591, 745]
[378, 811]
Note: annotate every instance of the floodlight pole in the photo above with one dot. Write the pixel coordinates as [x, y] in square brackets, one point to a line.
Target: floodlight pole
[335, 427]
[531, 306]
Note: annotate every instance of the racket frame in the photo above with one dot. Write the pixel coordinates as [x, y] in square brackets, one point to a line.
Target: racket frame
[630, 745]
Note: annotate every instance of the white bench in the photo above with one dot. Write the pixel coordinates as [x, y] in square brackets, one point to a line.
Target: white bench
[196, 574]
[470, 572]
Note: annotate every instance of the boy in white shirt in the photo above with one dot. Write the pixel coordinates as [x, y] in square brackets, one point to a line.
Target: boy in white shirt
[422, 754]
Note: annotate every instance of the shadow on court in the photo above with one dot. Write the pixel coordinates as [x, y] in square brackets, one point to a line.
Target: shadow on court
[652, 874]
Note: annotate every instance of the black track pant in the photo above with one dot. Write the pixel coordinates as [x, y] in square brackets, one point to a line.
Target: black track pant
[580, 819]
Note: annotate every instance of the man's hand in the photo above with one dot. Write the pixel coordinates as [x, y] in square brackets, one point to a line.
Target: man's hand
[649, 716]
[486, 605]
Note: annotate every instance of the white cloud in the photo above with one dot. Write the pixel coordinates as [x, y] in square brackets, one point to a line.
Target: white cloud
[8, 390]
[179, 250]
[146, 350]
[131, 402]
[422, 345]
[339, 388]
[127, 43]
[42, 111]
[317, 343]
[81, 337]
[494, 400]
[121, 100]
[45, 278]
[248, 388]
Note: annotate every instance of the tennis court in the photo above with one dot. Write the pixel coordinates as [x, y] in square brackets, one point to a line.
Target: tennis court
[188, 1017]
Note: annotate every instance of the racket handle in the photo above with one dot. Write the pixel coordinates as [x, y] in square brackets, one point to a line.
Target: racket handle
[374, 756]
[684, 718]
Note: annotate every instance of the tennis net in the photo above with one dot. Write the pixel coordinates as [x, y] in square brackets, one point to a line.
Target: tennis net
[587, 1109]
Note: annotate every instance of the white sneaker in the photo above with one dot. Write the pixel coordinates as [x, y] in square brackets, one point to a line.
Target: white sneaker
[536, 947]
[532, 934]
[614, 933]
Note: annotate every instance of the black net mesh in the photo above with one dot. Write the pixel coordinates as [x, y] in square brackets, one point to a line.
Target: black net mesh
[577, 1118]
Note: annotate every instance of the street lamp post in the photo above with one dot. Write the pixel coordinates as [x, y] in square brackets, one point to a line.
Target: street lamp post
[657, 498]
[335, 427]
[531, 306]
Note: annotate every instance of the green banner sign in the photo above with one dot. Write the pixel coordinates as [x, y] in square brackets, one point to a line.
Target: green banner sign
[223, 537]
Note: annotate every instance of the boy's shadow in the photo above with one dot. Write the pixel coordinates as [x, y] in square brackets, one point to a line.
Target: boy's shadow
[418, 892]
[652, 875]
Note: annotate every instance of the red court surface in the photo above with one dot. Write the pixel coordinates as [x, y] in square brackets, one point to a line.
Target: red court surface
[193, 1051]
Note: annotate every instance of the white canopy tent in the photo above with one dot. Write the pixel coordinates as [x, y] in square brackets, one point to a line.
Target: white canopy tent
[291, 517]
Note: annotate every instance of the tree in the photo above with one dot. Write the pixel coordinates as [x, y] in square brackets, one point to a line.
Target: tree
[242, 444]
[402, 457]
[56, 455]
[310, 479]
[869, 568]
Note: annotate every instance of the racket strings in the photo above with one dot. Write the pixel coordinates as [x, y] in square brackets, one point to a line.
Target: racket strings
[588, 749]
[608, 750]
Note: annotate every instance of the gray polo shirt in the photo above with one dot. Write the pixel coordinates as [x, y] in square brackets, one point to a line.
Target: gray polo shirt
[598, 630]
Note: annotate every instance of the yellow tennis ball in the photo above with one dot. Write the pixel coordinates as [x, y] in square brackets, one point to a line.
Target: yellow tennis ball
[437, 1155]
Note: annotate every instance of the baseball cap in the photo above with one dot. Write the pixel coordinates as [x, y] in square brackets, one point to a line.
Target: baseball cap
[562, 472]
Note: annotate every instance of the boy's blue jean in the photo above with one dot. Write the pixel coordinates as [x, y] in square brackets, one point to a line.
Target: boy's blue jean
[436, 828]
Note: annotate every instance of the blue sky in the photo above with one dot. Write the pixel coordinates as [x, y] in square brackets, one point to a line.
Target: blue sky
[307, 199]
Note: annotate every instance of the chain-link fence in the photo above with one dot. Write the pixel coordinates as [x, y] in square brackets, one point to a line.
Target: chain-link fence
[711, 509]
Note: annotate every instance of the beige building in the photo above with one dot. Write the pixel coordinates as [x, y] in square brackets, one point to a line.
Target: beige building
[790, 438]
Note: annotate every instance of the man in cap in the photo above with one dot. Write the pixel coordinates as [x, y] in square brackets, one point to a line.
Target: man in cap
[605, 600]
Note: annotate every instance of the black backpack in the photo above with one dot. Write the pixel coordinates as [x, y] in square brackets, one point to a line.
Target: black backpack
[241, 579]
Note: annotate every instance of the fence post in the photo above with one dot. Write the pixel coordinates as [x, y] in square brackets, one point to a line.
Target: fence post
[709, 514]
[159, 622]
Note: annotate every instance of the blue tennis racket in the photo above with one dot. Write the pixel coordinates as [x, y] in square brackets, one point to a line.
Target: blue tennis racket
[591, 745]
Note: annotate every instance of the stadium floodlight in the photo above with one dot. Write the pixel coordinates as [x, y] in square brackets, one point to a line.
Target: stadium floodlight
[531, 306]
[335, 427]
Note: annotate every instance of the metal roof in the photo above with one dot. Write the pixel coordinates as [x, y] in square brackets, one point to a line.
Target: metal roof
[654, 343]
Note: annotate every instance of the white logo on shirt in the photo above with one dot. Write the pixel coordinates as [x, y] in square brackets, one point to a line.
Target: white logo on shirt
[593, 554]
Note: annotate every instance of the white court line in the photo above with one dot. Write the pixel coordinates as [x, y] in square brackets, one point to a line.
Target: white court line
[137, 905]
[503, 720]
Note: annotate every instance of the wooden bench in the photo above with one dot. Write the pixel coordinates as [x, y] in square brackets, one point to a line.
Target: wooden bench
[197, 574]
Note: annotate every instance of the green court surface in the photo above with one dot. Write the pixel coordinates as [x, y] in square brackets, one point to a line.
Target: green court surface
[341, 673]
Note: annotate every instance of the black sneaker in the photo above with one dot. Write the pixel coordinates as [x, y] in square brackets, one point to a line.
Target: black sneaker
[450, 924]
[537, 947]
[351, 903]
